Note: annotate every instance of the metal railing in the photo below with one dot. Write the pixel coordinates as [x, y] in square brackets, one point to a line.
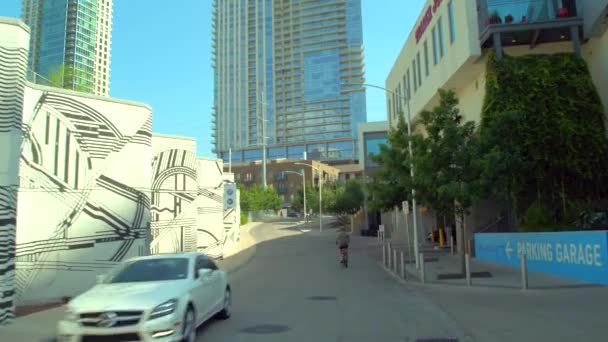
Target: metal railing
[497, 12]
[36, 78]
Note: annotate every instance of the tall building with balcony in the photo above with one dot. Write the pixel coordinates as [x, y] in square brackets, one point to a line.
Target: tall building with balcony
[75, 34]
[280, 66]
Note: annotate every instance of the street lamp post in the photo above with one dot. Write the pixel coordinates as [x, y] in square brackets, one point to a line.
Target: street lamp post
[303, 175]
[320, 193]
[264, 104]
[409, 132]
[264, 120]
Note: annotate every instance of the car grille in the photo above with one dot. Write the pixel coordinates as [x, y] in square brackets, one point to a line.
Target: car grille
[121, 319]
[110, 338]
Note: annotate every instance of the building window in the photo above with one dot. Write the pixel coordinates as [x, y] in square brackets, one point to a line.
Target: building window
[419, 70]
[408, 83]
[399, 94]
[281, 189]
[395, 107]
[440, 29]
[426, 59]
[414, 72]
[405, 94]
[280, 175]
[435, 60]
[451, 20]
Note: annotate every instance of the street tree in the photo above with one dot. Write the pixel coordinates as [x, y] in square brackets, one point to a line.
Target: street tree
[446, 177]
[68, 77]
[349, 198]
[257, 198]
[391, 184]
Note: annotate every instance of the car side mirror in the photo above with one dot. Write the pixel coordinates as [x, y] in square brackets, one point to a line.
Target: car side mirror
[202, 272]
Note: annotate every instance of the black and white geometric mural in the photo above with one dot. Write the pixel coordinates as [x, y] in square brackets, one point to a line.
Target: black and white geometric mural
[79, 178]
[84, 200]
[13, 64]
[174, 192]
[187, 200]
[211, 237]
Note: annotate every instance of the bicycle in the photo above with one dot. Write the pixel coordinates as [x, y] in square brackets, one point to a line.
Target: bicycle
[344, 257]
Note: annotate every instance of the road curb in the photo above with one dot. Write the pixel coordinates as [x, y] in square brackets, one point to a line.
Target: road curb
[244, 256]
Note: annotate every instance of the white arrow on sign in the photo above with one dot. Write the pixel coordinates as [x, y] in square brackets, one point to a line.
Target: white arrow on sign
[508, 249]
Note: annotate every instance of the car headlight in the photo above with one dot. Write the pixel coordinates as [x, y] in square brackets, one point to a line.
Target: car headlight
[164, 309]
[70, 315]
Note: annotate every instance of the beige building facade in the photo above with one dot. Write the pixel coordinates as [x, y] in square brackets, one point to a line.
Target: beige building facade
[449, 46]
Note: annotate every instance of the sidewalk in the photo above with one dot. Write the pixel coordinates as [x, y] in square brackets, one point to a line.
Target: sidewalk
[443, 268]
[496, 309]
[41, 326]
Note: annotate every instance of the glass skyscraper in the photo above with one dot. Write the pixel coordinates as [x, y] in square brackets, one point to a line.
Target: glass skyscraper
[286, 65]
[71, 33]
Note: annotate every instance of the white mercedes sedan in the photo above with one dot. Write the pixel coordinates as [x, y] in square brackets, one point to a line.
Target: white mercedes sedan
[158, 298]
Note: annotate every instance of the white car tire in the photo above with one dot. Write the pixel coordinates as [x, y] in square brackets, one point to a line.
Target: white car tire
[189, 333]
[227, 308]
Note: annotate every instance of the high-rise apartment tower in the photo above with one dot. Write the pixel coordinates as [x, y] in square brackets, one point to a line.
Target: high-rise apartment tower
[73, 35]
[282, 67]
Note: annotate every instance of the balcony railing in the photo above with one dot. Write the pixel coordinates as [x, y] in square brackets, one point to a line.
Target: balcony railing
[505, 12]
[528, 22]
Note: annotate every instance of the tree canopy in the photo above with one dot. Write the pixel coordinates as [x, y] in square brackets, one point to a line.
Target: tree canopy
[339, 199]
[391, 183]
[67, 77]
[256, 198]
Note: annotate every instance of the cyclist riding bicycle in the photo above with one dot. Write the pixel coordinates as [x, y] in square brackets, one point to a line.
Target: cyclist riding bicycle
[342, 240]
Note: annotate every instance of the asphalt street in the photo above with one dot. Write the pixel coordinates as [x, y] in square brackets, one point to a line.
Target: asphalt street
[293, 289]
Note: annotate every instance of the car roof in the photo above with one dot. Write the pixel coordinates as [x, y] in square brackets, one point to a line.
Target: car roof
[190, 255]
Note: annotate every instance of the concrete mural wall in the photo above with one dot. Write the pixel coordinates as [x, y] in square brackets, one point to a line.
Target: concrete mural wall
[14, 42]
[211, 232]
[80, 176]
[174, 194]
[84, 190]
[187, 198]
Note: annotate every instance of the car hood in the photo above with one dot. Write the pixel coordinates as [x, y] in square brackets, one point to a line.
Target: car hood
[128, 296]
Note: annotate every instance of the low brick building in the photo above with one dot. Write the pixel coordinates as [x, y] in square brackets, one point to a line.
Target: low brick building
[286, 184]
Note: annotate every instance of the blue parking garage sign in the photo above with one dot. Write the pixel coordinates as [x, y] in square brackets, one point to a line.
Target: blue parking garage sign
[577, 255]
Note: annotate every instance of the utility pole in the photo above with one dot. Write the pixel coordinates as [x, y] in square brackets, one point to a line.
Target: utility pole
[320, 200]
[406, 98]
[411, 153]
[320, 172]
[304, 190]
[264, 182]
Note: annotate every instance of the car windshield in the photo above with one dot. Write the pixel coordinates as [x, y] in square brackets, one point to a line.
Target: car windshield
[151, 270]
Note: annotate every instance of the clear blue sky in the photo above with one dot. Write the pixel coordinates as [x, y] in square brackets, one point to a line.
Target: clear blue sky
[161, 55]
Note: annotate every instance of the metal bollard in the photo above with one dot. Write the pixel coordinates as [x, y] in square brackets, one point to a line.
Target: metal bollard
[384, 254]
[389, 265]
[422, 273]
[467, 268]
[451, 245]
[395, 265]
[524, 273]
[402, 265]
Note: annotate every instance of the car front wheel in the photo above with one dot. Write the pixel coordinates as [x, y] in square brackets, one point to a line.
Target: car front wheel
[189, 333]
[226, 310]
